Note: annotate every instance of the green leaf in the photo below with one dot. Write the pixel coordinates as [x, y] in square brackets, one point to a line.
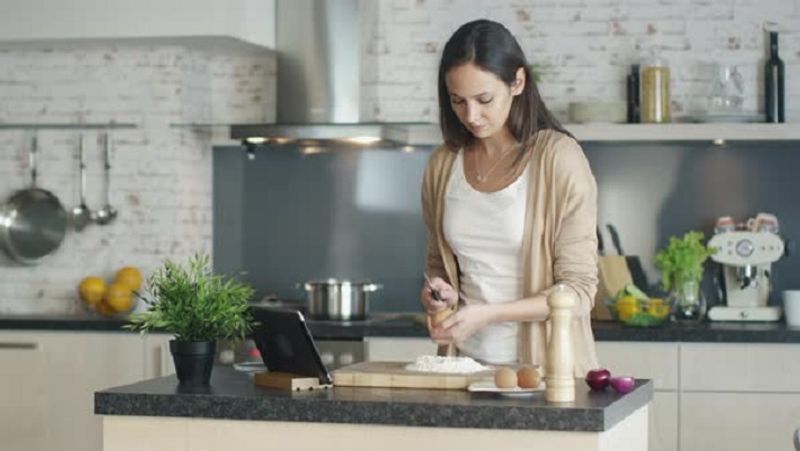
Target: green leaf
[193, 303]
[682, 259]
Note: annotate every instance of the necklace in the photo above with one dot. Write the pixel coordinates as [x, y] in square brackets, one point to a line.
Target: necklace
[485, 176]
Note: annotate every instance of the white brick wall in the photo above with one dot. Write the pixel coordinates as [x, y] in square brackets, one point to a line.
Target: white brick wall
[161, 175]
[585, 46]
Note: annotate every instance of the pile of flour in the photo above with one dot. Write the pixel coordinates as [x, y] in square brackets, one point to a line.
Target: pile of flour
[436, 364]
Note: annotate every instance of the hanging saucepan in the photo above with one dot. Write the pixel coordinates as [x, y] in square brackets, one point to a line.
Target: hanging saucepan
[32, 222]
[338, 299]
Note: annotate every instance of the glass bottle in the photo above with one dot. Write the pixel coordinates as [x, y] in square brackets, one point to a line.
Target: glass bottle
[655, 91]
[773, 82]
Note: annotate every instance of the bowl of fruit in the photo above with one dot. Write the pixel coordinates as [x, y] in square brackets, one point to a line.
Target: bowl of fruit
[115, 298]
[632, 307]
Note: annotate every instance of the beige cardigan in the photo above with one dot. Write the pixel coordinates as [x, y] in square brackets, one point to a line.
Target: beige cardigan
[560, 241]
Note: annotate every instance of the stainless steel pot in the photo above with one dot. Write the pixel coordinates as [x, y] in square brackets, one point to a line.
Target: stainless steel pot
[338, 299]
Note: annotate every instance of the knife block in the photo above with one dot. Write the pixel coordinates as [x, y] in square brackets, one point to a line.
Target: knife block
[613, 275]
[287, 381]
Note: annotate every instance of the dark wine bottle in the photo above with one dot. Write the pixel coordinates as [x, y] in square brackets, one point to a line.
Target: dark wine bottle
[633, 95]
[773, 82]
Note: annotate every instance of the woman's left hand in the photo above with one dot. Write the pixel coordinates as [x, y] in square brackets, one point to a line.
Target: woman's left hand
[462, 324]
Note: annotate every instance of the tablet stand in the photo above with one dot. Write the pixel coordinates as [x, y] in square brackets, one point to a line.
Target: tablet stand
[287, 381]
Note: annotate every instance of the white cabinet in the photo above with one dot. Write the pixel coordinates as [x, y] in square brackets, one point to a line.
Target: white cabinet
[658, 362]
[739, 396]
[740, 367]
[157, 357]
[398, 349]
[78, 364]
[23, 403]
[48, 380]
[738, 421]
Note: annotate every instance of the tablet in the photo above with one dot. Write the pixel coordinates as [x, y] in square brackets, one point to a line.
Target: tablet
[286, 345]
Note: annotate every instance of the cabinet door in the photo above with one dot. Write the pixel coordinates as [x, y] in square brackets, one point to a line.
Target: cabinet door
[738, 421]
[158, 360]
[77, 365]
[647, 360]
[656, 361]
[739, 367]
[396, 349]
[22, 397]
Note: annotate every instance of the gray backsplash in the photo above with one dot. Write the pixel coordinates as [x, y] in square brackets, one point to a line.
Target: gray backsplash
[286, 217]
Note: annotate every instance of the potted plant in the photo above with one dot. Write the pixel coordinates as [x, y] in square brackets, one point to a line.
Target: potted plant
[681, 263]
[199, 308]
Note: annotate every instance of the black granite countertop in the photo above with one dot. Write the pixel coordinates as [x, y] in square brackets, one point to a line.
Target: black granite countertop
[411, 325]
[232, 395]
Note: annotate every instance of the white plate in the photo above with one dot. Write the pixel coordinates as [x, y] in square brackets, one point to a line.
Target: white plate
[487, 386]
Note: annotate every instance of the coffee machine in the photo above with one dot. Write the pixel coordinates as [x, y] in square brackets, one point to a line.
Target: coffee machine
[746, 254]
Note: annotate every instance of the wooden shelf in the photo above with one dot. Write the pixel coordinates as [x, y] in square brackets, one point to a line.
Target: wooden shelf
[66, 126]
[430, 134]
[685, 132]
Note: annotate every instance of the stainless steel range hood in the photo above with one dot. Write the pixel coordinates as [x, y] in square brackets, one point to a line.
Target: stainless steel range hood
[319, 82]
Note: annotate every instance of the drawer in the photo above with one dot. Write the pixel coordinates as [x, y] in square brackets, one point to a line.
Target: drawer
[753, 367]
[738, 421]
[647, 360]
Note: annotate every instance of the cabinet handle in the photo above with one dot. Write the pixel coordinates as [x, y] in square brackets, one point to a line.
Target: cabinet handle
[18, 345]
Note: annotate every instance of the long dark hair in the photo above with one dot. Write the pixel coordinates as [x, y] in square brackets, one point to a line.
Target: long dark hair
[490, 46]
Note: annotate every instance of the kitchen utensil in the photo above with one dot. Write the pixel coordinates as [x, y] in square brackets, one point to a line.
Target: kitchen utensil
[338, 299]
[395, 374]
[613, 275]
[33, 222]
[81, 214]
[107, 213]
[634, 264]
[434, 293]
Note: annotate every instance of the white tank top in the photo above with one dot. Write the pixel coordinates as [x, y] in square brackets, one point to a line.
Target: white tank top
[485, 230]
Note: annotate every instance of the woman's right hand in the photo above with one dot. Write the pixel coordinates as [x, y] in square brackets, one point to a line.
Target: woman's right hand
[447, 295]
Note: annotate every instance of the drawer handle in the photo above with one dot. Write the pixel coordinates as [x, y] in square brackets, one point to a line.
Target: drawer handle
[12, 345]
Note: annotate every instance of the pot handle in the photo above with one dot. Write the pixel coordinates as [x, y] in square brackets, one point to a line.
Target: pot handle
[372, 287]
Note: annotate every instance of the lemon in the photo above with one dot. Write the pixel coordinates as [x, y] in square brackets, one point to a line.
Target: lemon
[129, 276]
[119, 297]
[91, 290]
[657, 308]
[627, 306]
[103, 309]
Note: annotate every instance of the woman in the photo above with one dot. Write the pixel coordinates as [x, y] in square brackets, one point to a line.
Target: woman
[510, 205]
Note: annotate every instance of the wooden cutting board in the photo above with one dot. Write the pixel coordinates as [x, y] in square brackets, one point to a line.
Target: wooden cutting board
[394, 375]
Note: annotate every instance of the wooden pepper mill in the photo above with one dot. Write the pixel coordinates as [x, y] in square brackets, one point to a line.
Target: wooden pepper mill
[560, 377]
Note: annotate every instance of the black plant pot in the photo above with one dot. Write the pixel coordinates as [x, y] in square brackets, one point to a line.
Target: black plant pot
[193, 361]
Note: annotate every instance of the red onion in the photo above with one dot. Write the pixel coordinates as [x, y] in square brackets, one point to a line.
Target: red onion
[598, 379]
[623, 384]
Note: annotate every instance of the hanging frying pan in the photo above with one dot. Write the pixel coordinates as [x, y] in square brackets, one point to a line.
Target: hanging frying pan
[32, 222]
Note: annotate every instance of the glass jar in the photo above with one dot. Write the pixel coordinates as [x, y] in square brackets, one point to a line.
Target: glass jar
[727, 90]
[688, 302]
[654, 89]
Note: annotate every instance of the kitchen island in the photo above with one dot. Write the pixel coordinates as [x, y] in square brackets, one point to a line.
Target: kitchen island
[234, 414]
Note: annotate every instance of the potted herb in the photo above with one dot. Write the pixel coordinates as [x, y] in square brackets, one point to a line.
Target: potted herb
[681, 263]
[199, 308]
